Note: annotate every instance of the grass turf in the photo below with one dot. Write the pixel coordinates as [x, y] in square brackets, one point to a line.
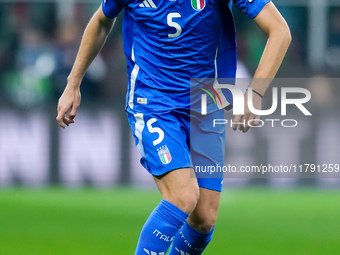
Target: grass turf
[87, 222]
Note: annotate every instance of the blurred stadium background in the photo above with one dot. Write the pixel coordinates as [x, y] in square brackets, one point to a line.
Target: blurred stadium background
[83, 191]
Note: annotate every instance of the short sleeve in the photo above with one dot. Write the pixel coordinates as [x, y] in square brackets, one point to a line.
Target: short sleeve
[250, 7]
[111, 8]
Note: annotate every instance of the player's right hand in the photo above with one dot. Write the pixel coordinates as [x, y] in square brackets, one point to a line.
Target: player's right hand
[68, 105]
[248, 115]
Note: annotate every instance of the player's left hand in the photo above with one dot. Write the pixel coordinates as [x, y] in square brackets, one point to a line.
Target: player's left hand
[242, 121]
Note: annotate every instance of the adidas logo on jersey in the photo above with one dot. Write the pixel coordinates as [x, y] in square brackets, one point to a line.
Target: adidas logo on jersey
[148, 3]
[181, 252]
[153, 253]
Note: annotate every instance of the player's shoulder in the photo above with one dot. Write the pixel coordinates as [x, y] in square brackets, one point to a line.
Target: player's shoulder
[124, 2]
[111, 8]
[250, 7]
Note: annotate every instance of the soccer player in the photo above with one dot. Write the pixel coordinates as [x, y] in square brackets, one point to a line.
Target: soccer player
[166, 43]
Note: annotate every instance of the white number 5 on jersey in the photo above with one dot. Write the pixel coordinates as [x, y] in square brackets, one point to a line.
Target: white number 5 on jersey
[155, 130]
[174, 24]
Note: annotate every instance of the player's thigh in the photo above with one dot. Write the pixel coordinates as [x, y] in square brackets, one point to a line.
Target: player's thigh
[208, 149]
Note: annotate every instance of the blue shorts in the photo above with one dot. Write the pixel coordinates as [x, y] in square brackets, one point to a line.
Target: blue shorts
[180, 139]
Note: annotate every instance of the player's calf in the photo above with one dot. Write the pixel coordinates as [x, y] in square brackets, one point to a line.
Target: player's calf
[160, 229]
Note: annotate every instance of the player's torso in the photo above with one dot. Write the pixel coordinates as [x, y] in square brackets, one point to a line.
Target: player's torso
[184, 30]
[172, 22]
[172, 41]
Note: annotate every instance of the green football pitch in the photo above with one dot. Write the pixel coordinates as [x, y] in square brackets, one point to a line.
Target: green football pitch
[82, 222]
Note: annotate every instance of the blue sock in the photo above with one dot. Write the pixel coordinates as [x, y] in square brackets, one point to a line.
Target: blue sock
[189, 241]
[160, 229]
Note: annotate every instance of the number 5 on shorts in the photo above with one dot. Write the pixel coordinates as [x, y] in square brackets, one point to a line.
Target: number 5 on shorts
[155, 130]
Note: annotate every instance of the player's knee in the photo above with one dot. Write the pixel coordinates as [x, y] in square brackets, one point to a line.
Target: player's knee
[187, 199]
[207, 225]
[204, 222]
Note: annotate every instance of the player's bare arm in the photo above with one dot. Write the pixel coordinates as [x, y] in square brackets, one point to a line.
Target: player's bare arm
[93, 40]
[275, 27]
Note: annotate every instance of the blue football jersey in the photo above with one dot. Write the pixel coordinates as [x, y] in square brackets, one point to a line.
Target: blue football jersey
[168, 42]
